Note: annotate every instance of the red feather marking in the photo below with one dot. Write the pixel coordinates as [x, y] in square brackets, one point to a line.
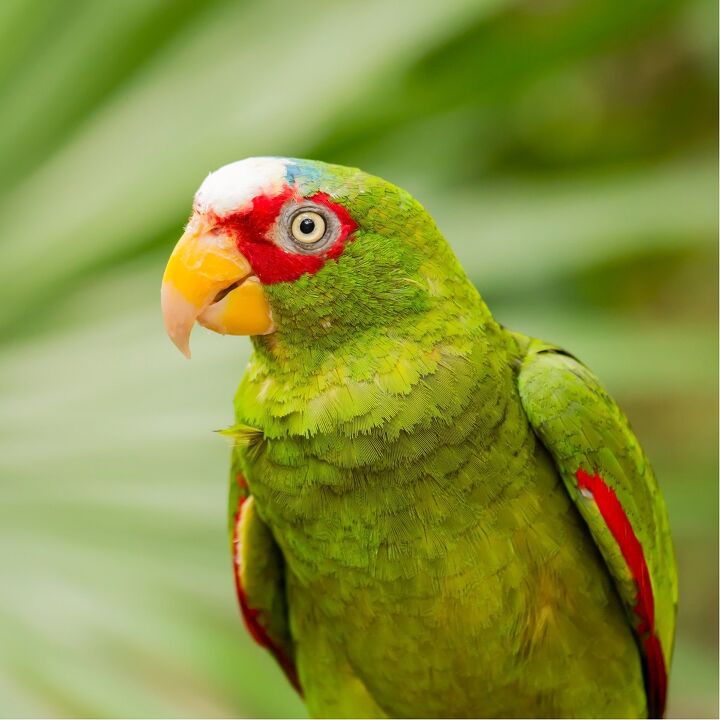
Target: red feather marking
[619, 525]
[251, 230]
[250, 615]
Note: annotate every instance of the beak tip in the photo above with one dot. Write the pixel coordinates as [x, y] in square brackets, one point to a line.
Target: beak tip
[183, 347]
[179, 318]
[182, 342]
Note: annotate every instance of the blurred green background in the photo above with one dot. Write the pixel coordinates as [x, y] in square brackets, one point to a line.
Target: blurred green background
[568, 151]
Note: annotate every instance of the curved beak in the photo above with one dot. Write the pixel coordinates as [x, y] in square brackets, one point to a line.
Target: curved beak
[208, 280]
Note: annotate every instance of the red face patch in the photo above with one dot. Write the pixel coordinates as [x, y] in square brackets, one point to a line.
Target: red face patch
[271, 263]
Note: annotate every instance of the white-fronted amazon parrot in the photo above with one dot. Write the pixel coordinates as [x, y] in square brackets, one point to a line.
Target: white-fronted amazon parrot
[430, 515]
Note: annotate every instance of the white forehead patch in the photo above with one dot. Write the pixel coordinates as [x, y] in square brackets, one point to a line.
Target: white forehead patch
[233, 186]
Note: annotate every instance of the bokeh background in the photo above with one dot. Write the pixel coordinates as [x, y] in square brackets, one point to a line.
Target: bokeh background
[568, 151]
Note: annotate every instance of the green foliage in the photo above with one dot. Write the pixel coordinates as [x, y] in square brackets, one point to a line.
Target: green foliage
[566, 151]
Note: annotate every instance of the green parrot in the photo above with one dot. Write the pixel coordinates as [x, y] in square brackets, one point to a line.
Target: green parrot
[430, 515]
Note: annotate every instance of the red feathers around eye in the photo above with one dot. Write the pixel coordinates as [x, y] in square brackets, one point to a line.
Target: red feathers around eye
[271, 263]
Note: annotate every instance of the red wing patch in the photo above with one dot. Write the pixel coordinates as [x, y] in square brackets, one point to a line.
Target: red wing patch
[252, 616]
[621, 529]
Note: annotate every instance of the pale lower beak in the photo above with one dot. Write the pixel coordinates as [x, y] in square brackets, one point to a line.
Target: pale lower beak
[208, 280]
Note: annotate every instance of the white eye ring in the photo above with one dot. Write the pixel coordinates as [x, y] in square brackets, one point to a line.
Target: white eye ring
[308, 227]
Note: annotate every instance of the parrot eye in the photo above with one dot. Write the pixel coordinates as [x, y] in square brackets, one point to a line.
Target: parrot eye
[308, 227]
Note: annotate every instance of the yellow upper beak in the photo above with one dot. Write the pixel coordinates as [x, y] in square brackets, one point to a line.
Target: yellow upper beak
[208, 280]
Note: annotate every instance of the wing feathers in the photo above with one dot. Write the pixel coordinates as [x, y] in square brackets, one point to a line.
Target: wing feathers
[257, 568]
[608, 477]
[594, 488]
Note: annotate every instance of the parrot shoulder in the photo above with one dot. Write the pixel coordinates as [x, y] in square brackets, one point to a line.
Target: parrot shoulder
[611, 483]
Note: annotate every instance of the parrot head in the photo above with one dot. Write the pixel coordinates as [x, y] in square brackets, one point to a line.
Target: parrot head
[304, 249]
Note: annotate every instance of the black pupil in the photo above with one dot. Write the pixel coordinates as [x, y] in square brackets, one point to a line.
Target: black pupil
[307, 226]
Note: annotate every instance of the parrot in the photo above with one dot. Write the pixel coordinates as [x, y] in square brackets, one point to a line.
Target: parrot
[430, 515]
